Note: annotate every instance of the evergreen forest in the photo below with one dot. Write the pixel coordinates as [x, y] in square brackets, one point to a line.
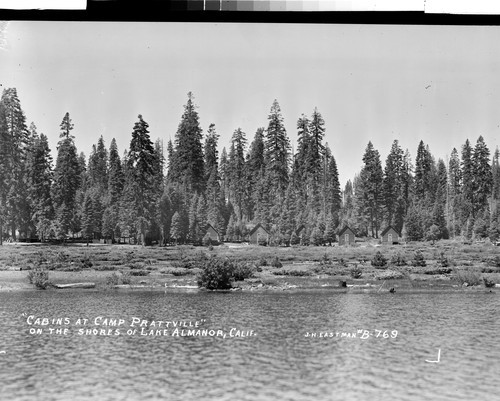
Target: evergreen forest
[148, 194]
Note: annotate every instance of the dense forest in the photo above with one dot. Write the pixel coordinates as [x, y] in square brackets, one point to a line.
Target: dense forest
[170, 195]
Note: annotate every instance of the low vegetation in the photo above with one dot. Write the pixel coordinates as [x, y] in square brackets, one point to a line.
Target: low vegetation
[475, 264]
[39, 278]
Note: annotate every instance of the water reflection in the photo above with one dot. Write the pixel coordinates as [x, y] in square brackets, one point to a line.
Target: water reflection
[280, 362]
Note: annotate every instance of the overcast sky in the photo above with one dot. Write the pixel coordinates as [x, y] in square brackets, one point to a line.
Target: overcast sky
[440, 84]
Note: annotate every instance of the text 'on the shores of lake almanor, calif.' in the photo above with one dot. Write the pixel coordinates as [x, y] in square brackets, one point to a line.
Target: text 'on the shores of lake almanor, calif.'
[134, 326]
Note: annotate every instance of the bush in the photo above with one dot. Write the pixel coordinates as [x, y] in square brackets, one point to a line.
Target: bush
[488, 283]
[418, 259]
[325, 259]
[139, 273]
[495, 261]
[216, 274]
[113, 279]
[105, 267]
[379, 261]
[262, 262]
[398, 260]
[468, 277]
[40, 278]
[276, 262]
[342, 262]
[126, 278]
[356, 272]
[86, 262]
[242, 271]
[389, 275]
[294, 273]
[443, 260]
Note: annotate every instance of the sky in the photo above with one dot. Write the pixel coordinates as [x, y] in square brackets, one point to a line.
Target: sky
[439, 84]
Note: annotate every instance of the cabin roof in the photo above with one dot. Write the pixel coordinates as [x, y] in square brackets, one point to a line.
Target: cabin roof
[300, 228]
[390, 228]
[256, 228]
[212, 227]
[345, 229]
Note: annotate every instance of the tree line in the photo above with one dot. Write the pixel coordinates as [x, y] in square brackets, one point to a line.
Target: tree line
[149, 197]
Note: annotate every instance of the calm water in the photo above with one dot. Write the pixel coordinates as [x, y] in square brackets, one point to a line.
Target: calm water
[277, 363]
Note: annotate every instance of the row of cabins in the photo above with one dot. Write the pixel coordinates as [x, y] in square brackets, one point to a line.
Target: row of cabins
[346, 235]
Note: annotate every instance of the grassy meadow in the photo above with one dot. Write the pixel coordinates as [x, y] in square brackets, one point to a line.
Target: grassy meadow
[445, 263]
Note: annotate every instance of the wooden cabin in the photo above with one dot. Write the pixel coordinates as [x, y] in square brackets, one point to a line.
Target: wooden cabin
[258, 233]
[390, 236]
[212, 233]
[347, 236]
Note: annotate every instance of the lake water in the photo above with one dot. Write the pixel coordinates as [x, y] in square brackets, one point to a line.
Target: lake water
[278, 361]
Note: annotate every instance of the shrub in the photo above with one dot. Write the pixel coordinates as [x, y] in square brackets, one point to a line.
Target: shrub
[398, 260]
[139, 272]
[210, 247]
[379, 261]
[86, 262]
[216, 274]
[242, 271]
[72, 268]
[294, 273]
[488, 283]
[468, 277]
[105, 267]
[39, 278]
[276, 262]
[389, 275]
[356, 272]
[342, 262]
[443, 260]
[495, 261]
[113, 279]
[126, 278]
[325, 260]
[137, 265]
[262, 262]
[418, 259]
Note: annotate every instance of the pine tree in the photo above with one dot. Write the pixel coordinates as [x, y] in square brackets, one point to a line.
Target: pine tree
[88, 218]
[467, 183]
[394, 186]
[495, 174]
[177, 229]
[454, 193]
[67, 178]
[238, 188]
[115, 175]
[254, 166]
[482, 177]
[188, 163]
[15, 138]
[372, 189]
[141, 194]
[414, 224]
[211, 153]
[330, 229]
[98, 166]
[277, 148]
[39, 180]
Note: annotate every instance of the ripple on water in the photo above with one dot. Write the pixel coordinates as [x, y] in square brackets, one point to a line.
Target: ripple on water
[278, 363]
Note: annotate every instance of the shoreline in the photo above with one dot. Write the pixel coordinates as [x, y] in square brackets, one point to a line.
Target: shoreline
[448, 265]
[16, 280]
